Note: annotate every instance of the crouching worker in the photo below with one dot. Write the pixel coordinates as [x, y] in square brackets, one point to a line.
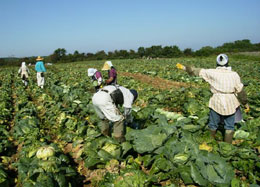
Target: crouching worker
[24, 71]
[227, 91]
[106, 102]
[96, 77]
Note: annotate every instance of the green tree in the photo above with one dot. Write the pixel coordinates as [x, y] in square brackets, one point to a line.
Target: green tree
[205, 51]
[188, 52]
[110, 55]
[58, 55]
[132, 54]
[141, 52]
[123, 54]
[90, 56]
[101, 55]
[171, 51]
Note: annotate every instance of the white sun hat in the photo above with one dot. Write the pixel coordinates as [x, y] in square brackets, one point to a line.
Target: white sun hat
[91, 71]
[107, 65]
[222, 59]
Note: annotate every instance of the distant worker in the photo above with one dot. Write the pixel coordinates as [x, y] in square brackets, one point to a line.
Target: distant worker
[112, 74]
[96, 77]
[106, 102]
[227, 91]
[40, 69]
[24, 71]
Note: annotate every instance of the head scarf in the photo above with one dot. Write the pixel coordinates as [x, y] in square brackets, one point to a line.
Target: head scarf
[23, 64]
[107, 65]
[91, 71]
[222, 60]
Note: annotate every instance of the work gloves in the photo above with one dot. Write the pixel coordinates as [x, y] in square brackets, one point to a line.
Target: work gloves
[247, 109]
[180, 66]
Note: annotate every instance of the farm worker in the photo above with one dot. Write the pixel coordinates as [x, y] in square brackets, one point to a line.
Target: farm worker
[24, 71]
[112, 74]
[106, 102]
[227, 91]
[96, 77]
[40, 69]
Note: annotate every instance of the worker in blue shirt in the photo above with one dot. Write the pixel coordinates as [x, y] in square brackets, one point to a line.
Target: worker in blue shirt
[40, 69]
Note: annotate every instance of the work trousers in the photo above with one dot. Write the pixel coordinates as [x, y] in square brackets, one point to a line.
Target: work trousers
[40, 79]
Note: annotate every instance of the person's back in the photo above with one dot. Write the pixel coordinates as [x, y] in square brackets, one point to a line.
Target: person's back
[227, 90]
[222, 79]
[39, 67]
[112, 73]
[24, 71]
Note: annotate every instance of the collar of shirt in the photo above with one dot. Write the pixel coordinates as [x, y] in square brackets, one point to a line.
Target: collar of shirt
[225, 68]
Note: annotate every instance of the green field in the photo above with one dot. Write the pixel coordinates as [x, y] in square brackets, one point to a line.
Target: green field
[171, 147]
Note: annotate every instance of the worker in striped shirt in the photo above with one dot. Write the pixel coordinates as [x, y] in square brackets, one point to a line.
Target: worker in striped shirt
[227, 90]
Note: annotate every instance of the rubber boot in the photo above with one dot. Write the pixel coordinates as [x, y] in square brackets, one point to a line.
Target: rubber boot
[120, 139]
[119, 131]
[229, 136]
[213, 133]
[104, 127]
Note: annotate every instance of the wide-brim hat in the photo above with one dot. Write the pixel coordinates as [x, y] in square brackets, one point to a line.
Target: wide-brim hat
[107, 65]
[39, 58]
[222, 59]
[91, 71]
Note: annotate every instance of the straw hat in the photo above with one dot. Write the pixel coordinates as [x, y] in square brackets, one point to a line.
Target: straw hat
[107, 65]
[39, 58]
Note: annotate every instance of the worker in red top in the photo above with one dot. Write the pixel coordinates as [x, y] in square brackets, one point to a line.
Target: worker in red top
[112, 74]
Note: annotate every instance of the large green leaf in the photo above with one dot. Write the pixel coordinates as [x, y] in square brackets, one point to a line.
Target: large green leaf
[196, 176]
[148, 139]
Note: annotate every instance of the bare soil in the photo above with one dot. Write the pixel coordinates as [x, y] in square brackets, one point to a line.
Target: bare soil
[156, 82]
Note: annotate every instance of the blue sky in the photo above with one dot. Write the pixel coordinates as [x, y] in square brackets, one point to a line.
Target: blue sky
[38, 27]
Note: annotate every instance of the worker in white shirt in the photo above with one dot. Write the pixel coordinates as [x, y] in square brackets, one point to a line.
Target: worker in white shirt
[106, 102]
[24, 71]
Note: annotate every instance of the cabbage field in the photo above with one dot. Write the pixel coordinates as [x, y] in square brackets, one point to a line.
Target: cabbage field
[49, 137]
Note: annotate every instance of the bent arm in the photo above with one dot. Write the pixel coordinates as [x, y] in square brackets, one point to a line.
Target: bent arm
[99, 81]
[108, 81]
[193, 71]
[43, 68]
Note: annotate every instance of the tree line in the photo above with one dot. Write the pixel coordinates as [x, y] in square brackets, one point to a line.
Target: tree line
[157, 51]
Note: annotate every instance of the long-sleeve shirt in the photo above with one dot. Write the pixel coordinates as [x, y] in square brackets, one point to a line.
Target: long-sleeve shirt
[112, 73]
[225, 84]
[24, 71]
[103, 103]
[98, 77]
[39, 67]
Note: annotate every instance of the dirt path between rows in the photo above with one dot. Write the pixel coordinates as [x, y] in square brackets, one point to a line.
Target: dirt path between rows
[156, 82]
